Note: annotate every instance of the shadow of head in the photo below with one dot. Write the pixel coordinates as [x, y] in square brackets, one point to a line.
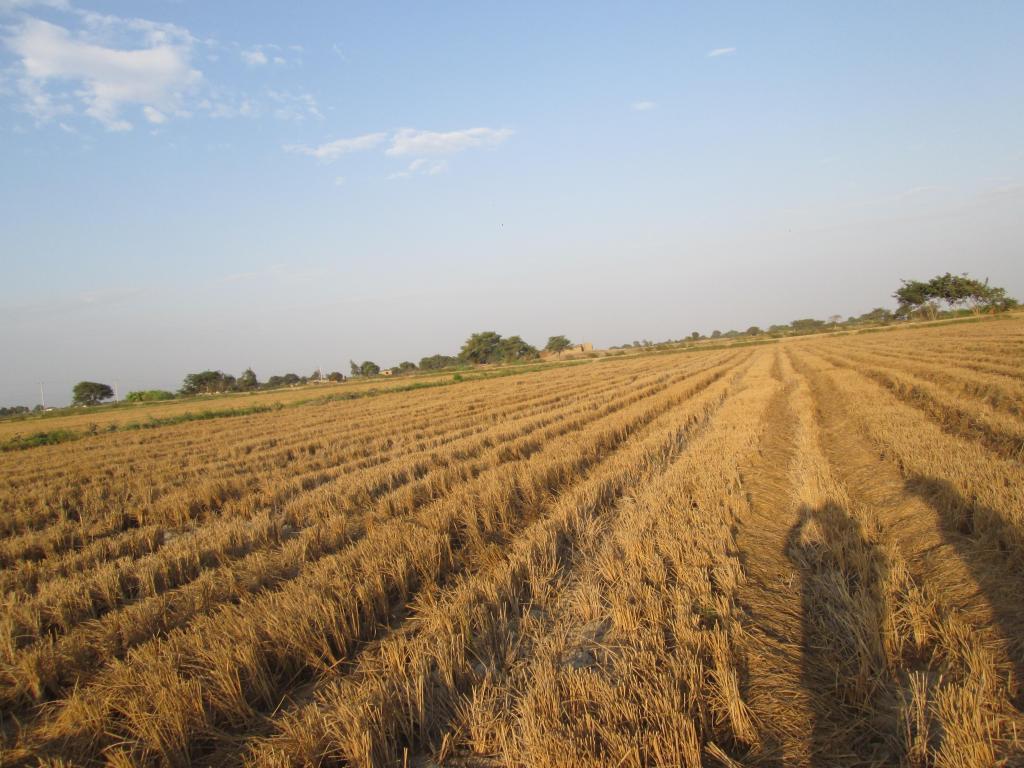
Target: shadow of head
[829, 539]
[956, 511]
[967, 516]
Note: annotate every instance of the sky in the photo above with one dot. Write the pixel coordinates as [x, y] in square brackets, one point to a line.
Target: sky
[288, 186]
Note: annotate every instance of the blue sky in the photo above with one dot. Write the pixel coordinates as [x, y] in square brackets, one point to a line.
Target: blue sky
[191, 185]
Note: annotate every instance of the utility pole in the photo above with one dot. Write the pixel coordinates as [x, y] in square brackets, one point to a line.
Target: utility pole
[42, 399]
[115, 391]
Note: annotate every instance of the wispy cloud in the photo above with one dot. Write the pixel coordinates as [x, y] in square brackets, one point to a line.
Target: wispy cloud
[9, 6]
[421, 167]
[424, 147]
[104, 78]
[428, 167]
[642, 106]
[714, 52]
[154, 116]
[254, 58]
[121, 70]
[59, 304]
[410, 141]
[332, 150]
[224, 107]
[294, 106]
[258, 56]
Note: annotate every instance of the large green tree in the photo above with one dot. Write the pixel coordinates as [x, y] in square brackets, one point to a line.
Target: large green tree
[490, 347]
[481, 347]
[914, 296]
[557, 345]
[149, 395]
[807, 325]
[90, 393]
[248, 381]
[917, 297]
[207, 382]
[514, 348]
[437, 362]
[876, 315]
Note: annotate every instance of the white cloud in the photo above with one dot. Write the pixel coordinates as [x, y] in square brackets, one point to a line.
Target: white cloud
[428, 167]
[40, 104]
[102, 77]
[220, 106]
[10, 6]
[409, 141]
[154, 116]
[643, 106]
[332, 150]
[258, 56]
[119, 126]
[294, 106]
[720, 52]
[254, 58]
[421, 167]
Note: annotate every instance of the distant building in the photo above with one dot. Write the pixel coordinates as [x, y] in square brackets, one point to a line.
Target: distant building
[387, 372]
[585, 346]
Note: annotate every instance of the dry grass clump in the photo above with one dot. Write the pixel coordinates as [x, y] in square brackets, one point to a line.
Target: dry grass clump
[800, 554]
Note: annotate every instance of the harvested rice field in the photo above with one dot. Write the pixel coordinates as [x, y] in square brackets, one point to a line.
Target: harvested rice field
[806, 553]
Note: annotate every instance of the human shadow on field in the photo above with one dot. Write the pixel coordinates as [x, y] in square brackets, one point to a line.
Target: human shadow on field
[844, 672]
[990, 545]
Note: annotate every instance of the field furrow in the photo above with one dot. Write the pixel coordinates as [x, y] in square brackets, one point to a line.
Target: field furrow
[417, 689]
[800, 553]
[218, 491]
[291, 634]
[343, 494]
[951, 636]
[290, 543]
[1001, 434]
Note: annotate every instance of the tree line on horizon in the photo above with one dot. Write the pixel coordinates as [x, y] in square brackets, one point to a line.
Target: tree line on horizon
[943, 296]
[480, 348]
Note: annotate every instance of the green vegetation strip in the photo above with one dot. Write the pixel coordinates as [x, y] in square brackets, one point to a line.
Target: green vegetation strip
[36, 439]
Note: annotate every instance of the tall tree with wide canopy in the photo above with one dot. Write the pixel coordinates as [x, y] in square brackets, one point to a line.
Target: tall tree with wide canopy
[90, 393]
[557, 345]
